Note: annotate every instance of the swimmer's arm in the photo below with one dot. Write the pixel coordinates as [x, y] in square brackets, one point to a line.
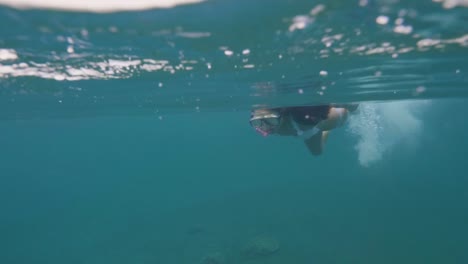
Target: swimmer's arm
[315, 143]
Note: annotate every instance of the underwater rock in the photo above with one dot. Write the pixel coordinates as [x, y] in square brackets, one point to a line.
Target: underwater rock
[214, 258]
[261, 246]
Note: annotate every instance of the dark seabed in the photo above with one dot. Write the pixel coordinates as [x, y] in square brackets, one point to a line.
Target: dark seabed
[125, 136]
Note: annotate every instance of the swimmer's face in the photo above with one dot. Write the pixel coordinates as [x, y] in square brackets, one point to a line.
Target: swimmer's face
[265, 121]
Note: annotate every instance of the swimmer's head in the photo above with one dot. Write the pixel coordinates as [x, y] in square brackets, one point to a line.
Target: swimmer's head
[265, 121]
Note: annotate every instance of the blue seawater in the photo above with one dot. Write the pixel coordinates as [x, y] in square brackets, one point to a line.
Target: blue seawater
[125, 136]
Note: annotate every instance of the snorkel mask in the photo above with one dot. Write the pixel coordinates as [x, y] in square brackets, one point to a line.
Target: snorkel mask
[265, 124]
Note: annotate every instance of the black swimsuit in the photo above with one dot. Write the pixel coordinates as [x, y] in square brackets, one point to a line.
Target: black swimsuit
[308, 115]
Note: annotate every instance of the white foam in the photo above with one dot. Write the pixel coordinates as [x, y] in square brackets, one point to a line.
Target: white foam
[366, 127]
[402, 29]
[317, 9]
[97, 6]
[300, 22]
[425, 43]
[108, 69]
[381, 126]
[382, 20]
[8, 54]
[449, 4]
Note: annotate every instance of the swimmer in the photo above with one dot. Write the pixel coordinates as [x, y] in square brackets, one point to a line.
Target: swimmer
[310, 123]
